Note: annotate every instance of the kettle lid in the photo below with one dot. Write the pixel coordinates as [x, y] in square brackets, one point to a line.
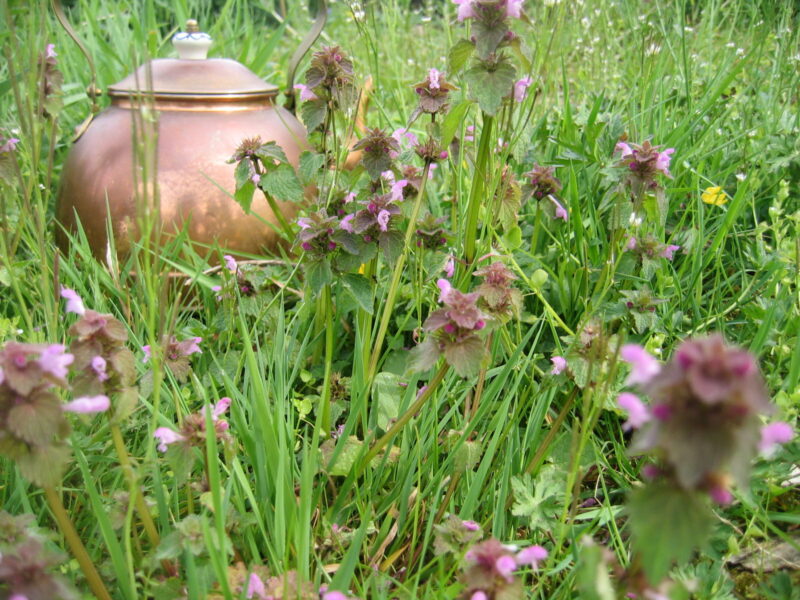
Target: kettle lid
[193, 76]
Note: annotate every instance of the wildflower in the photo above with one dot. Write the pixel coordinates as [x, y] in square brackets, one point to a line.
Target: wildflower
[559, 364]
[560, 211]
[376, 216]
[305, 92]
[669, 251]
[542, 182]
[532, 555]
[50, 51]
[230, 264]
[471, 525]
[466, 9]
[514, 8]
[346, 223]
[714, 195]
[166, 436]
[433, 93]
[773, 435]
[255, 585]
[405, 137]
[330, 75]
[378, 151]
[74, 302]
[479, 595]
[88, 404]
[498, 295]
[643, 366]
[54, 361]
[638, 414]
[644, 162]
[98, 365]
[334, 595]
[521, 88]
[490, 570]
[9, 145]
[449, 267]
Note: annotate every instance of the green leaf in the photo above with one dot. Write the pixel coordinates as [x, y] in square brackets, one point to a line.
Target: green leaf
[244, 195]
[593, 578]
[125, 403]
[391, 244]
[37, 421]
[387, 396]
[282, 184]
[467, 454]
[424, 356]
[465, 356]
[539, 502]
[488, 36]
[45, 465]
[310, 165]
[360, 289]
[181, 459]
[459, 55]
[271, 152]
[489, 86]
[346, 457]
[313, 113]
[512, 238]
[318, 274]
[452, 122]
[668, 524]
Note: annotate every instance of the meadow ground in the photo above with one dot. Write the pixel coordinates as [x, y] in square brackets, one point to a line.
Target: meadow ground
[377, 432]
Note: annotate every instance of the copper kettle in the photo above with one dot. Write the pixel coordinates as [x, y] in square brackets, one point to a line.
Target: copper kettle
[195, 111]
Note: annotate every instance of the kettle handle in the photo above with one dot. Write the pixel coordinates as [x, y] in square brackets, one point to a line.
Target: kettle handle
[92, 91]
[305, 46]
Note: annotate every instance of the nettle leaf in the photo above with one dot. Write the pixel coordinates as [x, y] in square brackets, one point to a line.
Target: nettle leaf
[387, 395]
[488, 36]
[313, 113]
[458, 56]
[668, 524]
[465, 356]
[490, 85]
[125, 403]
[376, 163]
[318, 274]
[271, 152]
[467, 454]
[45, 465]
[391, 244]
[424, 356]
[360, 289]
[124, 363]
[539, 502]
[181, 459]
[346, 457]
[37, 421]
[282, 184]
[310, 165]
[245, 188]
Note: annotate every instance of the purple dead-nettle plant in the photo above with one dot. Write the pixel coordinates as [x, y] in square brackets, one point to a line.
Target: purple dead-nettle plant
[453, 331]
[508, 199]
[329, 86]
[434, 94]
[378, 152]
[703, 427]
[644, 164]
[542, 185]
[499, 297]
[377, 222]
[176, 354]
[431, 233]
[104, 366]
[193, 431]
[492, 570]
[28, 570]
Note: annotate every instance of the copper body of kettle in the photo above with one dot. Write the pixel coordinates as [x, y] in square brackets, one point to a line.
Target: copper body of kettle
[196, 112]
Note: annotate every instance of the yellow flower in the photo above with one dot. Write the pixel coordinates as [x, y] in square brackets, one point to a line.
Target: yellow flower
[715, 196]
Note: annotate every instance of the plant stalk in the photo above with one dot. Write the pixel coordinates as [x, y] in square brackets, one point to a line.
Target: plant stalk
[476, 192]
[75, 545]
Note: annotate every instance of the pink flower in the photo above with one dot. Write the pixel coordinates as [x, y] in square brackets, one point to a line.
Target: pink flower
[99, 367]
[559, 364]
[471, 525]
[255, 586]
[349, 197]
[88, 405]
[221, 408]
[444, 287]
[479, 595]
[514, 8]
[404, 134]
[624, 149]
[9, 145]
[50, 51]
[74, 302]
[466, 10]
[166, 436]
[773, 435]
[146, 350]
[505, 566]
[638, 414]
[53, 360]
[397, 189]
[521, 88]
[304, 223]
[190, 346]
[631, 245]
[305, 92]
[669, 251]
[346, 223]
[433, 79]
[256, 178]
[643, 366]
[383, 219]
[532, 555]
[450, 268]
[662, 161]
[230, 264]
[334, 596]
[721, 495]
[561, 212]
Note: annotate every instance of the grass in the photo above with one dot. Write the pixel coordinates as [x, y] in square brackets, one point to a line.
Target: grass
[717, 80]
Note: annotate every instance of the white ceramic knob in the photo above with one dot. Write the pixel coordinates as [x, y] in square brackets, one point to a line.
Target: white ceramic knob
[192, 44]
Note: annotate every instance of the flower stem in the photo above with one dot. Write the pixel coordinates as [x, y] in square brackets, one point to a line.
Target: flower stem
[75, 545]
[127, 469]
[394, 286]
[405, 418]
[325, 413]
[476, 192]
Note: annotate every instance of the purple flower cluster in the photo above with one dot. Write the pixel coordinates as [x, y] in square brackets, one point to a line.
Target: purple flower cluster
[643, 163]
[472, 9]
[433, 93]
[703, 424]
[193, 431]
[492, 566]
[316, 233]
[176, 355]
[498, 295]
[649, 248]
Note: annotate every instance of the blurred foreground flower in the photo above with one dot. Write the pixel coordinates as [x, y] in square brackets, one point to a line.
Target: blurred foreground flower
[714, 195]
